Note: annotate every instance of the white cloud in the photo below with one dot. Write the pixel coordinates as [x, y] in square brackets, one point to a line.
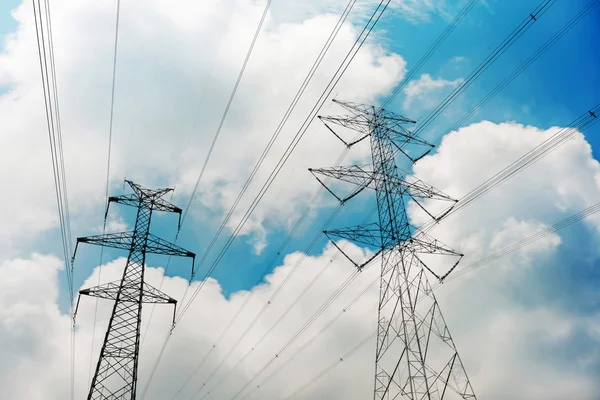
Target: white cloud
[157, 99]
[427, 91]
[420, 11]
[499, 338]
[158, 89]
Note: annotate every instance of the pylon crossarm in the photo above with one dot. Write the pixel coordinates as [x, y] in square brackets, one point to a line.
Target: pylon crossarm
[156, 245]
[144, 193]
[348, 144]
[110, 291]
[121, 240]
[419, 189]
[368, 234]
[424, 244]
[134, 200]
[359, 266]
[127, 200]
[354, 174]
[165, 206]
[356, 123]
[354, 108]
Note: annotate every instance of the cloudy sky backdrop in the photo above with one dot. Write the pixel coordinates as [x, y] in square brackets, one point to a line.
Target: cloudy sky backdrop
[527, 326]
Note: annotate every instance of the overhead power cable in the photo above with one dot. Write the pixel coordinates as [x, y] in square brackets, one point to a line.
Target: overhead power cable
[500, 178]
[306, 344]
[591, 112]
[460, 272]
[299, 332]
[585, 121]
[329, 88]
[534, 16]
[49, 87]
[515, 73]
[328, 369]
[448, 30]
[269, 302]
[432, 49]
[269, 267]
[207, 159]
[107, 181]
[45, 47]
[226, 111]
[307, 122]
[189, 139]
[523, 243]
[279, 128]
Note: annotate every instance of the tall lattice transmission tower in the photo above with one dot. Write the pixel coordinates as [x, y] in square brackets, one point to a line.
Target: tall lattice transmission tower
[117, 369]
[415, 355]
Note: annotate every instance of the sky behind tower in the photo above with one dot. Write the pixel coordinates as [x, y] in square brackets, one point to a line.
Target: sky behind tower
[527, 326]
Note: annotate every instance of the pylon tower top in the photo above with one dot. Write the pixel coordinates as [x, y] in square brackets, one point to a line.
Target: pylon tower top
[415, 355]
[116, 373]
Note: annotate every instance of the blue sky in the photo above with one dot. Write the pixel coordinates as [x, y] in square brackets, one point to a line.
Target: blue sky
[552, 91]
[557, 88]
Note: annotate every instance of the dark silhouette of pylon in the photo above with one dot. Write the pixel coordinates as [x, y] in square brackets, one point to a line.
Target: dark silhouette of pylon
[117, 369]
[415, 355]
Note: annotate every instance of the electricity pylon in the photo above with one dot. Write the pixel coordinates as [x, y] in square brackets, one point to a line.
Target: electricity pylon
[117, 369]
[415, 355]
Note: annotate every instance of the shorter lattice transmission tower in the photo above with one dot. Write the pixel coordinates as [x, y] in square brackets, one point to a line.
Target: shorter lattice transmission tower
[117, 369]
[415, 355]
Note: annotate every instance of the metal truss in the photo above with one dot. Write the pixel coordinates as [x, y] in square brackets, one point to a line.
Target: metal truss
[116, 373]
[415, 356]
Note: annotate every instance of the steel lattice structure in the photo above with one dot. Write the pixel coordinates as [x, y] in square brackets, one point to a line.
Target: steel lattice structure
[415, 355]
[117, 369]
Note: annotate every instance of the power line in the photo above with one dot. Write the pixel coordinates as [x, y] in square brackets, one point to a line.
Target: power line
[278, 130]
[486, 63]
[333, 82]
[269, 302]
[107, 184]
[250, 295]
[541, 50]
[461, 15]
[306, 344]
[460, 272]
[524, 242]
[328, 369]
[498, 179]
[311, 203]
[434, 46]
[46, 60]
[226, 111]
[176, 174]
[590, 113]
[581, 123]
[45, 47]
[508, 173]
[329, 88]
[211, 148]
[507, 177]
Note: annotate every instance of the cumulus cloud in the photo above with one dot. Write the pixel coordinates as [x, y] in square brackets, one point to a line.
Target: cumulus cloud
[162, 125]
[160, 112]
[500, 338]
[427, 91]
